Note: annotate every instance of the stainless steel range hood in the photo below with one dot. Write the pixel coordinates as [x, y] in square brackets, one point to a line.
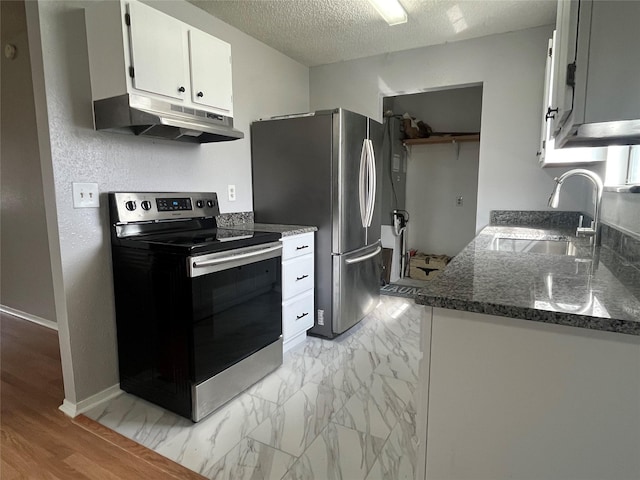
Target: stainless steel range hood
[154, 118]
[621, 132]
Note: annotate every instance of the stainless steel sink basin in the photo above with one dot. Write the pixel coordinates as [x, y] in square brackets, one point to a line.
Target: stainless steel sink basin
[521, 245]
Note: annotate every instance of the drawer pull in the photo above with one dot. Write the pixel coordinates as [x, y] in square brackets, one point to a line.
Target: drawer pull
[303, 246]
[301, 278]
[298, 317]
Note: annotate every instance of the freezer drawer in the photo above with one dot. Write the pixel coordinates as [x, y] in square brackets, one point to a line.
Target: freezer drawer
[356, 286]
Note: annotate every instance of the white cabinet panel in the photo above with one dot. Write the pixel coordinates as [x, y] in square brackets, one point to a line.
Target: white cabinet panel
[564, 54]
[138, 50]
[157, 52]
[297, 315]
[548, 155]
[297, 245]
[614, 63]
[210, 62]
[298, 282]
[512, 398]
[297, 276]
[596, 73]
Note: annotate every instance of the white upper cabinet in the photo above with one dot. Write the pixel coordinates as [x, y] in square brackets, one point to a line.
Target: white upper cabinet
[563, 63]
[138, 50]
[596, 73]
[548, 155]
[158, 55]
[547, 115]
[210, 62]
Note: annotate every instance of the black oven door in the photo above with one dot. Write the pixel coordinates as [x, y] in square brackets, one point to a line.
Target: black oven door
[237, 306]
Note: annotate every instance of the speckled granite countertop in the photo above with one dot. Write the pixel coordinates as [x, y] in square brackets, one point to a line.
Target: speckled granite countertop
[595, 288]
[285, 230]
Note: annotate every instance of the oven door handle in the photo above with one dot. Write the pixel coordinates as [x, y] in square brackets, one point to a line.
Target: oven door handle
[233, 258]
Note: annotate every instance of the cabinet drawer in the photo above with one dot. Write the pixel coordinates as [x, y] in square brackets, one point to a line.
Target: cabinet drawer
[297, 315]
[297, 245]
[297, 276]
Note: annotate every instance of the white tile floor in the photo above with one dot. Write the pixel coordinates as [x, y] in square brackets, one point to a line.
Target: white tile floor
[341, 409]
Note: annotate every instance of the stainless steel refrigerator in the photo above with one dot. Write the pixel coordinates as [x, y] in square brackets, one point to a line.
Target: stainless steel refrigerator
[323, 169]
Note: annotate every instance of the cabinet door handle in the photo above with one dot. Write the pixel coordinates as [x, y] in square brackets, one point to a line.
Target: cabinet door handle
[200, 94]
[302, 277]
[298, 317]
[303, 246]
[181, 89]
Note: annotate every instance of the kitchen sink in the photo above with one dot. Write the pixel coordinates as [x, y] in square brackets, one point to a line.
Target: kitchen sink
[522, 245]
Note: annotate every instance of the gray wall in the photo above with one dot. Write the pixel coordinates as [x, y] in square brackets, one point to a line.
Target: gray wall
[511, 69]
[449, 110]
[265, 83]
[25, 267]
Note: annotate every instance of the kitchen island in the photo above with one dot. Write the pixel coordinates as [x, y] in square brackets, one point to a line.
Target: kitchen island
[531, 360]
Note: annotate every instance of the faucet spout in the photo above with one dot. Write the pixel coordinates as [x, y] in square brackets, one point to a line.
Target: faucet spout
[594, 229]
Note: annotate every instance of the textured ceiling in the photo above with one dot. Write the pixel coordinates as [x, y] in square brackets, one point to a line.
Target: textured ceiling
[316, 32]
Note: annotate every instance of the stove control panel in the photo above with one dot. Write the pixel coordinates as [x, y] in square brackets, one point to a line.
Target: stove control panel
[157, 206]
[171, 204]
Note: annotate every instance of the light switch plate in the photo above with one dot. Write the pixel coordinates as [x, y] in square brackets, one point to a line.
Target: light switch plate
[85, 195]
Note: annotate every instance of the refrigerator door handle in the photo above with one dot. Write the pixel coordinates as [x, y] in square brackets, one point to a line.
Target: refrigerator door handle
[371, 171]
[362, 187]
[363, 257]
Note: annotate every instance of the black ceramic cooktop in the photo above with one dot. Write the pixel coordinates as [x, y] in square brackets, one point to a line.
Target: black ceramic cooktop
[195, 242]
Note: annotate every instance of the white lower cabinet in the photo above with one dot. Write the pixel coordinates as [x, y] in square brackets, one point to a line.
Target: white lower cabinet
[298, 281]
[509, 398]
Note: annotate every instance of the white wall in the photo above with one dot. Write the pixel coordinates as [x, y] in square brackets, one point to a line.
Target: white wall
[511, 69]
[265, 83]
[25, 269]
[438, 174]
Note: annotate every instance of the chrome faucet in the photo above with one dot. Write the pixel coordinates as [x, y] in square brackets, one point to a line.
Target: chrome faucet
[594, 229]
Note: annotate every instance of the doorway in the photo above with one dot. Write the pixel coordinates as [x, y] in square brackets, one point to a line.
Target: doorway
[430, 180]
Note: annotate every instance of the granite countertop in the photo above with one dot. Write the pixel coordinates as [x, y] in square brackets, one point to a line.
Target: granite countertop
[595, 288]
[285, 230]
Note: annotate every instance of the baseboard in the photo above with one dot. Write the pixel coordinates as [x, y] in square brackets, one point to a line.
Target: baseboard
[27, 316]
[74, 409]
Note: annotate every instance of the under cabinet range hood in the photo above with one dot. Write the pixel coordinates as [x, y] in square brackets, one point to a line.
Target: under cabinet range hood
[150, 117]
[621, 132]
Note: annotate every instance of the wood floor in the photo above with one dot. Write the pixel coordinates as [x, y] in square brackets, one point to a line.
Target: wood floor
[39, 441]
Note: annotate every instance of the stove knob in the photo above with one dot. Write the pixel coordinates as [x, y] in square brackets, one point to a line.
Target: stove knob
[146, 205]
[210, 203]
[199, 203]
[130, 205]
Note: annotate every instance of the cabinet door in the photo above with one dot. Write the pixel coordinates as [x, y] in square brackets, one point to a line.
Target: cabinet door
[210, 62]
[157, 52]
[547, 115]
[614, 63]
[564, 55]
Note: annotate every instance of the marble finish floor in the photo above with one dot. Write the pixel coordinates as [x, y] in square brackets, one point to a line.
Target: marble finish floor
[340, 409]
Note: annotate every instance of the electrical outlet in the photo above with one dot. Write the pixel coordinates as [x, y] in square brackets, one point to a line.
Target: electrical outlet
[85, 195]
[231, 190]
[459, 201]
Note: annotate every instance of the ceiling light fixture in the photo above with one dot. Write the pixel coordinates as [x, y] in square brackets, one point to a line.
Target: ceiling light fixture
[390, 10]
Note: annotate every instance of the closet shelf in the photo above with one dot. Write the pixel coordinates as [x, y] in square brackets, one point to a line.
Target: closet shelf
[472, 137]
